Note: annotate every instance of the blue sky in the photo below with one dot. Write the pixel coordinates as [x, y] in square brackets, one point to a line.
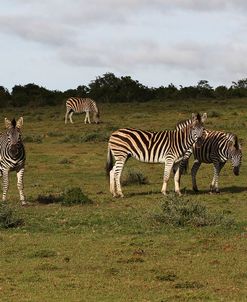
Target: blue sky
[61, 44]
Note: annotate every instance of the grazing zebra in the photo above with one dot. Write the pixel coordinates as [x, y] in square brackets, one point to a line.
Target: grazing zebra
[151, 147]
[79, 105]
[217, 147]
[12, 156]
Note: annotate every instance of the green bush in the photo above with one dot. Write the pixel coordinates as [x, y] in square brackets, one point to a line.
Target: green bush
[134, 177]
[47, 199]
[33, 139]
[8, 217]
[214, 114]
[179, 211]
[74, 196]
[95, 137]
[71, 196]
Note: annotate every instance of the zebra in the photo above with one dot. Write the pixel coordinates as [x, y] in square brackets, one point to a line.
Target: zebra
[12, 156]
[150, 147]
[79, 105]
[217, 148]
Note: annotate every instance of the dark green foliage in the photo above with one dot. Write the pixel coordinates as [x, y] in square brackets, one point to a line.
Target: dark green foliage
[109, 88]
[43, 254]
[167, 277]
[134, 177]
[214, 114]
[8, 217]
[189, 284]
[38, 139]
[71, 196]
[95, 137]
[46, 199]
[87, 137]
[181, 212]
[74, 196]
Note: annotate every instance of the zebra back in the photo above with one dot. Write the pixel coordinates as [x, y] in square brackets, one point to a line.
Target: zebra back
[80, 105]
[153, 147]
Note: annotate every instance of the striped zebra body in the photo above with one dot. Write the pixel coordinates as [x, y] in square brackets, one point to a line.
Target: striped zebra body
[217, 148]
[150, 147]
[12, 156]
[80, 105]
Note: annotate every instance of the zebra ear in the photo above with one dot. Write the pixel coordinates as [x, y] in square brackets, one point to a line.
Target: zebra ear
[19, 123]
[7, 123]
[204, 117]
[193, 116]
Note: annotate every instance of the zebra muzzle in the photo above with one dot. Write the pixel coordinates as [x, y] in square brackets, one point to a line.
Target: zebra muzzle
[236, 171]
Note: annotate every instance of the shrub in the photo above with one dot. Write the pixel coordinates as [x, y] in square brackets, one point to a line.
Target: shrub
[214, 114]
[69, 197]
[179, 211]
[33, 139]
[65, 161]
[74, 196]
[95, 137]
[8, 217]
[135, 177]
[47, 199]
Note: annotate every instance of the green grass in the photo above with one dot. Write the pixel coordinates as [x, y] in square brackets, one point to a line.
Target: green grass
[113, 249]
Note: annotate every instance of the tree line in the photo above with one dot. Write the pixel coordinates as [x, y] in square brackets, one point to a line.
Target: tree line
[109, 88]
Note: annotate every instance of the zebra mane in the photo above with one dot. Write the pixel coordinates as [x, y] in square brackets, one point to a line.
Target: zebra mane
[13, 123]
[198, 117]
[236, 145]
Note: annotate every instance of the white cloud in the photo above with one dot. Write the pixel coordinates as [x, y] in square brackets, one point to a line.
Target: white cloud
[181, 39]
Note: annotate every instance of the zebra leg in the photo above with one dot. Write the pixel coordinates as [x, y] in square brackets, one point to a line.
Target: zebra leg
[167, 172]
[112, 182]
[87, 118]
[194, 170]
[5, 184]
[215, 182]
[66, 116]
[20, 185]
[70, 117]
[177, 176]
[118, 168]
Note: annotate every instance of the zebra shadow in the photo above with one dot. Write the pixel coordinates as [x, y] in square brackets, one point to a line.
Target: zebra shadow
[230, 189]
[142, 193]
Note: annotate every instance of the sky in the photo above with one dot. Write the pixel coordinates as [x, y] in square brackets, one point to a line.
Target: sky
[61, 44]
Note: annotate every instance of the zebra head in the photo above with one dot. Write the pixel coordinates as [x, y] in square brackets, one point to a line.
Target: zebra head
[14, 136]
[96, 117]
[235, 155]
[197, 128]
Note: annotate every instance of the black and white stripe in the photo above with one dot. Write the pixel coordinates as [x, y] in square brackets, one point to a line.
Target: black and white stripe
[151, 147]
[80, 105]
[217, 148]
[12, 156]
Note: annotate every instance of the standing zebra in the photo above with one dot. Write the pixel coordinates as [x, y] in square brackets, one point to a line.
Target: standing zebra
[80, 105]
[150, 147]
[217, 147]
[12, 156]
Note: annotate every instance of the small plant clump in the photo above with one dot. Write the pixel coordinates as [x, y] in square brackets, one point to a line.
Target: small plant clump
[8, 217]
[135, 177]
[74, 196]
[38, 139]
[181, 212]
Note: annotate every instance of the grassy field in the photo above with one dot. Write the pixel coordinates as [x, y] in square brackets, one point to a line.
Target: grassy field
[115, 249]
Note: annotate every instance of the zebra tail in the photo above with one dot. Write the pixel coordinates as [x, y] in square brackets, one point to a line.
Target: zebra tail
[109, 162]
[184, 166]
